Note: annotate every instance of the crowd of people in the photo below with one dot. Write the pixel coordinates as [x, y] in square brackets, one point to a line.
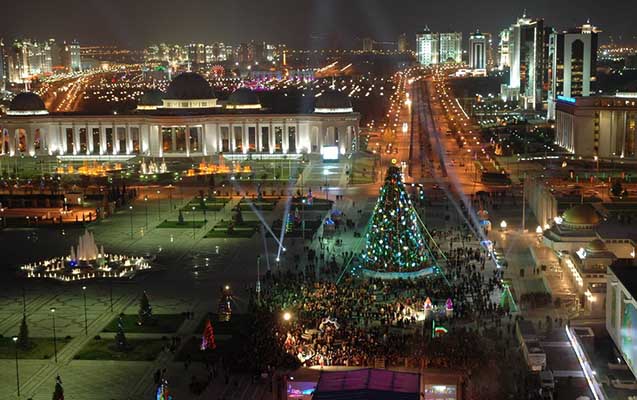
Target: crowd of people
[359, 320]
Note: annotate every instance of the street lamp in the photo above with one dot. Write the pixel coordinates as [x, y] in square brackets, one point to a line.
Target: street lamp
[158, 204]
[85, 314]
[205, 208]
[55, 346]
[303, 219]
[325, 173]
[193, 222]
[146, 207]
[287, 316]
[170, 196]
[17, 373]
[503, 224]
[131, 221]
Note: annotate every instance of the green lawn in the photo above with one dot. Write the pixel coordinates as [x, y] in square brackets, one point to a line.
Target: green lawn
[209, 207]
[186, 225]
[237, 233]
[40, 349]
[265, 205]
[244, 224]
[162, 323]
[104, 349]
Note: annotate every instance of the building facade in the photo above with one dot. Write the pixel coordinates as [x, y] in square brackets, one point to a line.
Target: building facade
[4, 70]
[621, 311]
[477, 51]
[403, 43]
[504, 55]
[427, 47]
[598, 126]
[187, 121]
[435, 48]
[450, 47]
[573, 63]
[527, 48]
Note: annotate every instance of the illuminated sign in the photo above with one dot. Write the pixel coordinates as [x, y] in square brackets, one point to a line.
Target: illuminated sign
[566, 99]
[330, 153]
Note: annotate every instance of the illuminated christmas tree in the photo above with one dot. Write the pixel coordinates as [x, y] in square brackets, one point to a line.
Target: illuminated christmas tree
[208, 337]
[395, 240]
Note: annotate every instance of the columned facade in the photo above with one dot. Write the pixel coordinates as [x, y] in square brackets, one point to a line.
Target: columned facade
[176, 136]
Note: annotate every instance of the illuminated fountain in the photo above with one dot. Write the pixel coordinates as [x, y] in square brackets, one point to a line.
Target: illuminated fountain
[152, 168]
[206, 168]
[86, 261]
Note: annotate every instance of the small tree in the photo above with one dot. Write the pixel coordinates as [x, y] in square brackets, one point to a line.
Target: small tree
[145, 310]
[238, 216]
[120, 337]
[180, 219]
[58, 393]
[23, 336]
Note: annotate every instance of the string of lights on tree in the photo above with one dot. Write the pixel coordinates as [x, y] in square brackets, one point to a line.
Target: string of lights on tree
[394, 241]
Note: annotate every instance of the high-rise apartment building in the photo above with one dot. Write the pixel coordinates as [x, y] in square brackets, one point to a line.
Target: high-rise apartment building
[450, 47]
[573, 62]
[403, 43]
[435, 48]
[477, 51]
[528, 46]
[4, 67]
[427, 47]
[368, 44]
[72, 56]
[504, 55]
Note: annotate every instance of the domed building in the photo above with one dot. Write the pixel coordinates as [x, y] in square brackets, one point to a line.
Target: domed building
[184, 122]
[573, 229]
[333, 102]
[581, 216]
[151, 100]
[243, 99]
[27, 103]
[189, 90]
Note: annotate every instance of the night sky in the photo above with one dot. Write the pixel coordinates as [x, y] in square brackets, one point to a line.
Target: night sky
[136, 23]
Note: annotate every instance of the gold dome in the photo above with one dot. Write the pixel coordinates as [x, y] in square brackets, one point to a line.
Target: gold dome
[581, 214]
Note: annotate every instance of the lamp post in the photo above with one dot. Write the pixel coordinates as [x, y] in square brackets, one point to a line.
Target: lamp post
[146, 209]
[325, 172]
[131, 221]
[205, 207]
[85, 314]
[303, 219]
[158, 204]
[17, 371]
[170, 196]
[193, 222]
[55, 345]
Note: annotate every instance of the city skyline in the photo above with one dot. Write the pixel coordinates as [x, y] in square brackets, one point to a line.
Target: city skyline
[328, 20]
